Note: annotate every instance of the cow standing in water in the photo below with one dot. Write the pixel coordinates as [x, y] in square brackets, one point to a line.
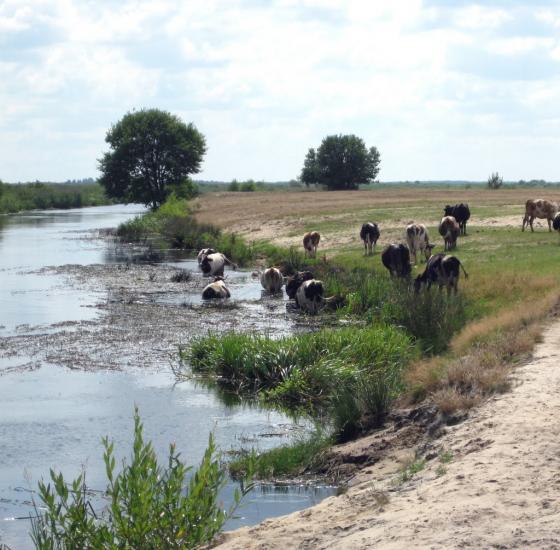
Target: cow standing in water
[539, 208]
[449, 230]
[203, 253]
[418, 240]
[442, 270]
[216, 289]
[310, 296]
[311, 243]
[369, 234]
[213, 264]
[396, 258]
[271, 279]
[461, 213]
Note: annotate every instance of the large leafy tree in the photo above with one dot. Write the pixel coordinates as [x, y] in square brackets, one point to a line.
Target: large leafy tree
[152, 153]
[341, 162]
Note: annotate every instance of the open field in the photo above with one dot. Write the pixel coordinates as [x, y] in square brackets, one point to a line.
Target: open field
[283, 217]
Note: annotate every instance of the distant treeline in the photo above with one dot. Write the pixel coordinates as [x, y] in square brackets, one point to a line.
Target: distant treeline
[38, 195]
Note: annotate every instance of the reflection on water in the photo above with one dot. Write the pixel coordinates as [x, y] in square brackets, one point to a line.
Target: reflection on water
[51, 416]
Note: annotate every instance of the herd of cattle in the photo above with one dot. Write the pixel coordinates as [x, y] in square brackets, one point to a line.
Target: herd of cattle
[441, 269]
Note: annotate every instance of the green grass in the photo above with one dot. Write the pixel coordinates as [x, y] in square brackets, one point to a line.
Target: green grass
[286, 461]
[32, 196]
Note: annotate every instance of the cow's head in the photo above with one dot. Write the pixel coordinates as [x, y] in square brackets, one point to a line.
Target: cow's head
[428, 250]
[448, 210]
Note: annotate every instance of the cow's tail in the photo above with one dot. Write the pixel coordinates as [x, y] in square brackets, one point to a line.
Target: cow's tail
[464, 270]
[227, 261]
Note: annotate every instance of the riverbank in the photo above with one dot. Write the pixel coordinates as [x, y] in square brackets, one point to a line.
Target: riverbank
[491, 481]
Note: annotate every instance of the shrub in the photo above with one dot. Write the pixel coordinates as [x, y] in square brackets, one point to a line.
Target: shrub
[149, 506]
[495, 181]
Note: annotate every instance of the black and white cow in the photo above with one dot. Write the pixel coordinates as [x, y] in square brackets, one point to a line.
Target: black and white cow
[418, 240]
[461, 212]
[556, 222]
[203, 253]
[369, 234]
[213, 264]
[310, 296]
[442, 270]
[295, 281]
[216, 289]
[271, 279]
[396, 258]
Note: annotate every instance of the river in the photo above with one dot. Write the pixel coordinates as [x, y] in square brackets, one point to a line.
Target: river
[77, 353]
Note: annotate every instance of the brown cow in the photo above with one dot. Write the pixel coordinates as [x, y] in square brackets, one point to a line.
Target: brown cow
[311, 243]
[449, 229]
[539, 208]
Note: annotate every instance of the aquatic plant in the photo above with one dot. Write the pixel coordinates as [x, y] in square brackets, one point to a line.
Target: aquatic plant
[150, 506]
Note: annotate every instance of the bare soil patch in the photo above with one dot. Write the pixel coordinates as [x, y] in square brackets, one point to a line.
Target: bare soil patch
[283, 217]
[499, 490]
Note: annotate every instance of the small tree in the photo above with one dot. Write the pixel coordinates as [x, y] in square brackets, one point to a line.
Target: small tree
[152, 152]
[495, 181]
[341, 162]
[234, 185]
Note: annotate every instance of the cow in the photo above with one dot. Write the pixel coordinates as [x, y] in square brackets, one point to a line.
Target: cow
[461, 212]
[442, 270]
[418, 240]
[539, 208]
[449, 230]
[310, 296]
[369, 234]
[203, 253]
[556, 222]
[216, 289]
[213, 264]
[295, 281]
[271, 279]
[396, 258]
[311, 243]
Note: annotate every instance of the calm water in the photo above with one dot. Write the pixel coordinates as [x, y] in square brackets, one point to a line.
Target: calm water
[55, 417]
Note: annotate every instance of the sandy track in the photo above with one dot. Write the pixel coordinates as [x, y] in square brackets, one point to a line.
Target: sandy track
[500, 491]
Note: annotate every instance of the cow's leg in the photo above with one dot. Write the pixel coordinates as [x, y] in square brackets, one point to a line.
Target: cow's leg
[531, 219]
[525, 222]
[365, 248]
[549, 227]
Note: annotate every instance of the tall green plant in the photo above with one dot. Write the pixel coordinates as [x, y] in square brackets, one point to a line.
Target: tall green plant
[150, 506]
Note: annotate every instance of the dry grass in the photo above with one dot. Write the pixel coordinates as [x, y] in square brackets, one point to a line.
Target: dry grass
[521, 314]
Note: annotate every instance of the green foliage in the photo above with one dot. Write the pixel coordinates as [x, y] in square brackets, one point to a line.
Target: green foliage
[410, 471]
[172, 224]
[248, 186]
[325, 370]
[32, 196]
[341, 162]
[234, 185]
[431, 317]
[152, 154]
[495, 181]
[150, 506]
[285, 461]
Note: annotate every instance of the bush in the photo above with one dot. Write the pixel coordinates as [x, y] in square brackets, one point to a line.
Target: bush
[495, 181]
[248, 186]
[149, 506]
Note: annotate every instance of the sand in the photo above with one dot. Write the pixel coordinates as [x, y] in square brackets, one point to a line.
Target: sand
[500, 490]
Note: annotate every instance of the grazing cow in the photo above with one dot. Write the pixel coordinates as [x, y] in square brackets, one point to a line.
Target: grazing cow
[213, 264]
[369, 234]
[203, 253]
[216, 289]
[556, 222]
[461, 213]
[295, 281]
[311, 243]
[310, 296]
[271, 280]
[418, 240]
[449, 230]
[396, 258]
[442, 270]
[539, 208]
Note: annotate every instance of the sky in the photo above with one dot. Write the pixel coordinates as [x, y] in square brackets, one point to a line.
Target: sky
[444, 89]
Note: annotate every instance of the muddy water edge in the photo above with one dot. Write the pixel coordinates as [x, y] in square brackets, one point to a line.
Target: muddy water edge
[88, 329]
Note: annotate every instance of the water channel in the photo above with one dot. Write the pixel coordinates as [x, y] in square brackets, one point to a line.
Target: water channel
[84, 337]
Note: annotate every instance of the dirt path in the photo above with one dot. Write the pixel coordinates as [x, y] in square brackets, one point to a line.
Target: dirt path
[501, 489]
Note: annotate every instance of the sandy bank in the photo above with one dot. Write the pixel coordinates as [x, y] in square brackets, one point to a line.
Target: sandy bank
[501, 489]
